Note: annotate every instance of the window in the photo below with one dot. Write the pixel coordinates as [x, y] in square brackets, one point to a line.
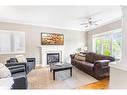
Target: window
[109, 43]
[12, 42]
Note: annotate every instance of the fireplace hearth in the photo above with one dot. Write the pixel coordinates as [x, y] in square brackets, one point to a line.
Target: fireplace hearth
[53, 58]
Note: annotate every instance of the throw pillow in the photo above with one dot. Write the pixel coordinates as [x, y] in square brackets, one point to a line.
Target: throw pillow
[21, 58]
[4, 71]
[90, 57]
[83, 55]
[81, 58]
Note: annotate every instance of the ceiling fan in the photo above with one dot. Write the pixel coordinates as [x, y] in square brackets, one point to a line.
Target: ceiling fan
[90, 22]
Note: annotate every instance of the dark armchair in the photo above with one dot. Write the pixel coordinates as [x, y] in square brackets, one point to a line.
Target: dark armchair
[18, 73]
[29, 65]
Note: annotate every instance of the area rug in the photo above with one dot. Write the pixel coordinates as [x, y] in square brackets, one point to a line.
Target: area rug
[41, 78]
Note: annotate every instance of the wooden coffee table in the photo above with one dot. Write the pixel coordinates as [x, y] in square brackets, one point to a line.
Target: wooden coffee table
[54, 68]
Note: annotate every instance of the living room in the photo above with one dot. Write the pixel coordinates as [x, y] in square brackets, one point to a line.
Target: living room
[75, 32]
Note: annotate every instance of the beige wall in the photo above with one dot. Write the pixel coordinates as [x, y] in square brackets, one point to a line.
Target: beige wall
[73, 39]
[105, 28]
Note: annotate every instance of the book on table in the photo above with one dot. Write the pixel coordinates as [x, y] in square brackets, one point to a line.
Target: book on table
[59, 64]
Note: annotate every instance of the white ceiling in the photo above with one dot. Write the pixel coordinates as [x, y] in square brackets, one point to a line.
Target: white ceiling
[68, 17]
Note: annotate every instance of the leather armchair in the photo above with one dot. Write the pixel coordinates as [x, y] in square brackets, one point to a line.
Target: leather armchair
[29, 65]
[31, 62]
[18, 73]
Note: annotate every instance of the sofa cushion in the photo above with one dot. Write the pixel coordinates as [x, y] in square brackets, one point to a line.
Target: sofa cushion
[90, 57]
[88, 65]
[20, 80]
[102, 57]
[20, 74]
[85, 64]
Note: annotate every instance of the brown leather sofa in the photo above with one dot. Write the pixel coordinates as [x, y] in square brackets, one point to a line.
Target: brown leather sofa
[95, 65]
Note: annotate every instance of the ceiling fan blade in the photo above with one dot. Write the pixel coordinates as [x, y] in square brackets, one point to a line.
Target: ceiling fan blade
[86, 26]
[94, 21]
[84, 23]
[95, 24]
[90, 22]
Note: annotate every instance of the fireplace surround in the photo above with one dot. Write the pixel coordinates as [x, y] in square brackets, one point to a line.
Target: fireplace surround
[53, 58]
[44, 50]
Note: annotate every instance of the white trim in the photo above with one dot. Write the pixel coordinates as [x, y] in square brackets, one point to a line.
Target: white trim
[107, 33]
[27, 23]
[118, 65]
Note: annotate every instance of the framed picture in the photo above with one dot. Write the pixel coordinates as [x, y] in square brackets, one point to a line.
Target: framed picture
[52, 39]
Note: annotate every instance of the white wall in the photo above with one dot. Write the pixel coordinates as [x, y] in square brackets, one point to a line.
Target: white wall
[72, 39]
[118, 79]
[105, 28]
[119, 76]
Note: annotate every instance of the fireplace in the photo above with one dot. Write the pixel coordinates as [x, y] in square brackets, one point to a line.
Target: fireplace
[53, 58]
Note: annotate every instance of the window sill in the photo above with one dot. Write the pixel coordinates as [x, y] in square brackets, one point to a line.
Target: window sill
[118, 65]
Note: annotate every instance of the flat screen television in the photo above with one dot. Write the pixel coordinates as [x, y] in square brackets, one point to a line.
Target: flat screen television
[52, 39]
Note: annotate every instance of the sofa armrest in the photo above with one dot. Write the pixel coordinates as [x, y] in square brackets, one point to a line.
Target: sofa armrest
[102, 62]
[15, 64]
[31, 62]
[16, 68]
[101, 68]
[72, 56]
[31, 59]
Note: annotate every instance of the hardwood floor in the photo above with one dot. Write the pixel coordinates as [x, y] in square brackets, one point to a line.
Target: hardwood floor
[101, 84]
[41, 78]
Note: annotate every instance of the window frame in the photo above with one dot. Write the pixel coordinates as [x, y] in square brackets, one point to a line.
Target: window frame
[99, 35]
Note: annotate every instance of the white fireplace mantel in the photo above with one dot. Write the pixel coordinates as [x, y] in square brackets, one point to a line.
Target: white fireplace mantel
[50, 49]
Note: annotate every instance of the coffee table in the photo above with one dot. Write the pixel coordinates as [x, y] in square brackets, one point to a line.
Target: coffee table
[54, 68]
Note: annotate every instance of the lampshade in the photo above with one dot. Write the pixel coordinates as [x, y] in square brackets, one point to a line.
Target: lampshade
[85, 48]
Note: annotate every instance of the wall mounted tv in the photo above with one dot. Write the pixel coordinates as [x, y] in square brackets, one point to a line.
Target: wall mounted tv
[52, 39]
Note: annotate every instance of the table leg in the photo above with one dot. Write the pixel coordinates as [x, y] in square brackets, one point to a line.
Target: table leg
[50, 70]
[70, 71]
[53, 75]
